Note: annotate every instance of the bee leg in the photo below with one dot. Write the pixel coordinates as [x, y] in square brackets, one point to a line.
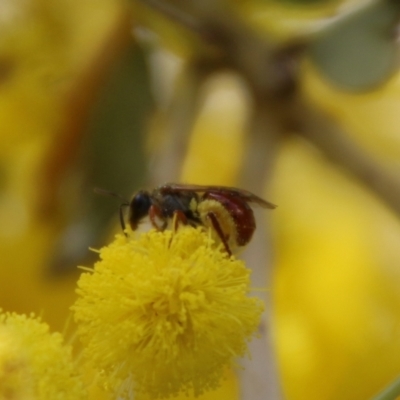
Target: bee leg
[217, 227]
[121, 216]
[154, 213]
[179, 217]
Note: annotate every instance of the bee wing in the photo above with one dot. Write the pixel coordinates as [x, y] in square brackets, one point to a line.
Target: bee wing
[252, 198]
[244, 194]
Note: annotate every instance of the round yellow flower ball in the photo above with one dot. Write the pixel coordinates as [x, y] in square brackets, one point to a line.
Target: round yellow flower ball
[164, 313]
[34, 363]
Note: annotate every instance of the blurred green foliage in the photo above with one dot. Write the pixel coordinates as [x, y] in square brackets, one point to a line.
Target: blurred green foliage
[360, 51]
[111, 157]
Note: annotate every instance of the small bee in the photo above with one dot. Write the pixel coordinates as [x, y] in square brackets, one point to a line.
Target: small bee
[225, 209]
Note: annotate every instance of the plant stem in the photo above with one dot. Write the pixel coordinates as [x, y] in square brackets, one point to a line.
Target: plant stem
[259, 378]
[174, 14]
[390, 392]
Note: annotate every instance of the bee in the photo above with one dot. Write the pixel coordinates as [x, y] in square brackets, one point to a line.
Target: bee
[224, 209]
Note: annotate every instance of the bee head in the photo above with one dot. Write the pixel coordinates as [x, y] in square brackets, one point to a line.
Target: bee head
[139, 208]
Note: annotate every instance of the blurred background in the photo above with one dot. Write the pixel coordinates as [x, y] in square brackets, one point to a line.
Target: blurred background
[295, 100]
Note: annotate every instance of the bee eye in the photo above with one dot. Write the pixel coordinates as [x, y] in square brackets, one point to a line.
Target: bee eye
[141, 203]
[139, 208]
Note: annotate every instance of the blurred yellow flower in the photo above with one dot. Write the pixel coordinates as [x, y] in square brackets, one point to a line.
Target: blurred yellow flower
[34, 363]
[165, 312]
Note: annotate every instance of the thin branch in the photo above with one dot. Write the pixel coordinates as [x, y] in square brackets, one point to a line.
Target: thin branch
[175, 14]
[391, 392]
[176, 124]
[340, 149]
[259, 379]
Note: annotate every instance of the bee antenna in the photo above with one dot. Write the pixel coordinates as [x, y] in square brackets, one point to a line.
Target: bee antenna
[105, 192]
[121, 216]
[125, 203]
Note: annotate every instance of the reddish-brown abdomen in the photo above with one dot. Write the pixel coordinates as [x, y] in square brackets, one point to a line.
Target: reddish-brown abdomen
[240, 212]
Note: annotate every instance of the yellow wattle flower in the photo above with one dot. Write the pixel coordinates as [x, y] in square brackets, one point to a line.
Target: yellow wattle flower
[164, 313]
[34, 363]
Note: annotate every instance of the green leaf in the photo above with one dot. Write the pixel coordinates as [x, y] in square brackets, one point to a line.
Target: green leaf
[112, 157]
[391, 392]
[360, 52]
